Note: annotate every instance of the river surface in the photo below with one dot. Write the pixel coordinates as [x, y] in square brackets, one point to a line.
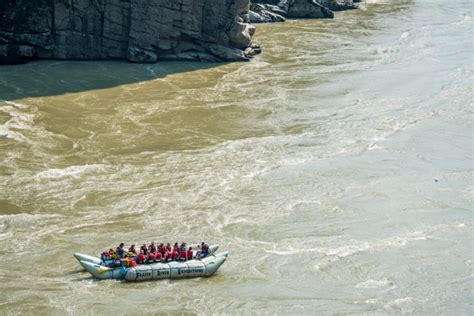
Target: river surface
[336, 167]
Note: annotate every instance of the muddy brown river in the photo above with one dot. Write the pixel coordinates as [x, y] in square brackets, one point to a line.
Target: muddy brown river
[336, 168]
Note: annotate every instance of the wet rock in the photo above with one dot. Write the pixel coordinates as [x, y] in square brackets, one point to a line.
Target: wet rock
[308, 9]
[279, 10]
[338, 5]
[266, 13]
[14, 54]
[138, 55]
[228, 53]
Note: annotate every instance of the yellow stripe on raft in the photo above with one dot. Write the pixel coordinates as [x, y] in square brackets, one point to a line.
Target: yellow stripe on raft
[103, 269]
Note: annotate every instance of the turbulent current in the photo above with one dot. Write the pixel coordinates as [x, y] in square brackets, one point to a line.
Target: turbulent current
[336, 168]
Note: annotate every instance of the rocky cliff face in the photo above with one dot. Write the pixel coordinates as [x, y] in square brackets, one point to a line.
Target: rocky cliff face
[136, 30]
[279, 10]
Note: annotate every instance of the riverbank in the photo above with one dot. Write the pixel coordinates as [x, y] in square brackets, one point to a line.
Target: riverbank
[143, 32]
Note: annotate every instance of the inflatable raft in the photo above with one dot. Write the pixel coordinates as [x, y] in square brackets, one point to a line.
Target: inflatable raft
[204, 267]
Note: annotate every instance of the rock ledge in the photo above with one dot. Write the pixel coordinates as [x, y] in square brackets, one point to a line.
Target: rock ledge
[142, 31]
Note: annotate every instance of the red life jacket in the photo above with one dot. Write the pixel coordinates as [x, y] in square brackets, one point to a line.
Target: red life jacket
[175, 255]
[140, 258]
[190, 254]
[159, 256]
[151, 256]
[183, 255]
[133, 264]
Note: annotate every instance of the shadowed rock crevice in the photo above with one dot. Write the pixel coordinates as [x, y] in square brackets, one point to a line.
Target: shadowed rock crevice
[135, 30]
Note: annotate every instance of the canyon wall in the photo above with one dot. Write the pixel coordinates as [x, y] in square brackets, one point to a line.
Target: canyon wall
[144, 31]
[135, 30]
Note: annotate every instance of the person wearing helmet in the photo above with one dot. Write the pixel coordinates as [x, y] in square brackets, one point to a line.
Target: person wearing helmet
[204, 252]
[120, 251]
[175, 252]
[190, 253]
[161, 249]
[144, 249]
[132, 250]
[152, 247]
[141, 257]
[159, 257]
[204, 248]
[151, 257]
[105, 256]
